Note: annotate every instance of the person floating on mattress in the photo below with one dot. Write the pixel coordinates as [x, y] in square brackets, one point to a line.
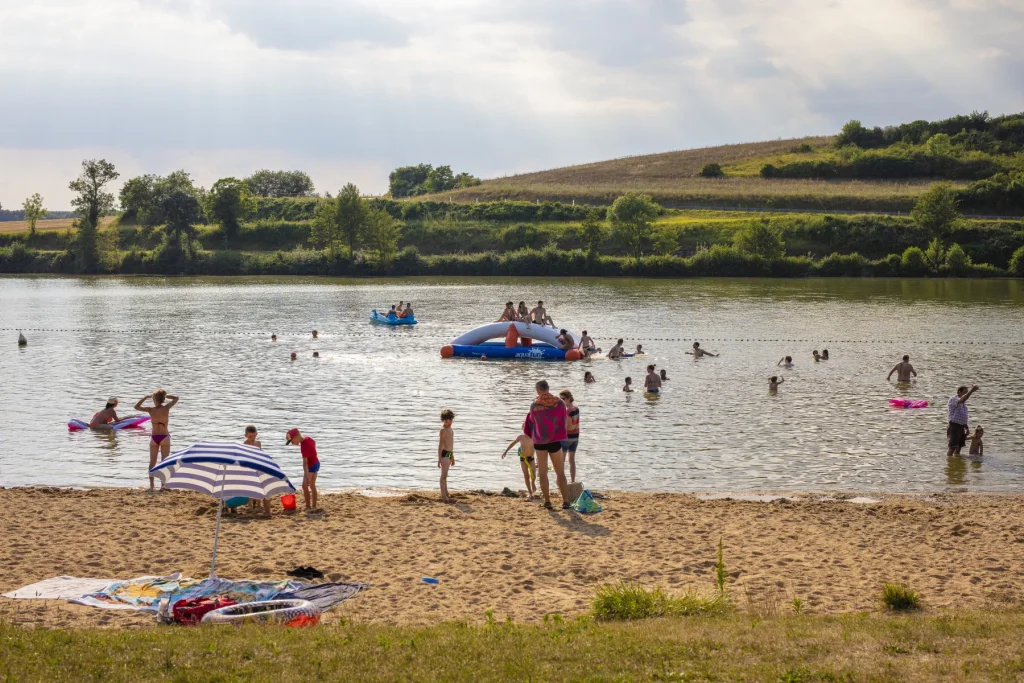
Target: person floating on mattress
[103, 418]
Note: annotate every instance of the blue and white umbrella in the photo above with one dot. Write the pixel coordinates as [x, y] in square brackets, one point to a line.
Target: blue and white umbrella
[223, 469]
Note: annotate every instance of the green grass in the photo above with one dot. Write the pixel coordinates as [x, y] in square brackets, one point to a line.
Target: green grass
[900, 598]
[875, 647]
[627, 601]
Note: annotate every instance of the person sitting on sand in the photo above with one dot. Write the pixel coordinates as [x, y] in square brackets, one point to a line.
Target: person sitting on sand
[509, 314]
[699, 352]
[564, 340]
[103, 418]
[977, 447]
[540, 315]
[773, 383]
[159, 415]
[628, 386]
[310, 466]
[588, 377]
[786, 362]
[547, 426]
[664, 376]
[903, 370]
[616, 351]
[251, 440]
[527, 462]
[446, 451]
[817, 356]
[652, 383]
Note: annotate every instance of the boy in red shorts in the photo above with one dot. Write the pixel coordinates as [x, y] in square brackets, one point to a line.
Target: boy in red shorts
[310, 466]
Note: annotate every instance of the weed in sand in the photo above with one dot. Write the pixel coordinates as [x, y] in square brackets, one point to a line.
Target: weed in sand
[628, 601]
[899, 597]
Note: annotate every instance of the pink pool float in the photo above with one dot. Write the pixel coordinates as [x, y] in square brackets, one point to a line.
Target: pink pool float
[906, 403]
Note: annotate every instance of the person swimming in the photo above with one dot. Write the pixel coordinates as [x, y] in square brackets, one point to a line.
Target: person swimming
[817, 356]
[588, 377]
[824, 354]
[664, 376]
[273, 337]
[786, 362]
[698, 352]
[773, 383]
[639, 350]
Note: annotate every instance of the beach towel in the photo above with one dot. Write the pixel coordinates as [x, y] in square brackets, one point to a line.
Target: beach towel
[238, 591]
[546, 421]
[142, 593]
[59, 588]
[586, 504]
[326, 595]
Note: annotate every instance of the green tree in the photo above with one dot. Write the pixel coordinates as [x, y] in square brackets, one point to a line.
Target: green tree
[712, 170]
[935, 255]
[137, 197]
[91, 203]
[182, 211]
[592, 233]
[351, 215]
[631, 216]
[936, 211]
[761, 238]
[265, 183]
[1016, 267]
[939, 145]
[440, 179]
[466, 180]
[408, 181]
[666, 241]
[382, 235]
[957, 260]
[33, 212]
[324, 232]
[229, 202]
[913, 261]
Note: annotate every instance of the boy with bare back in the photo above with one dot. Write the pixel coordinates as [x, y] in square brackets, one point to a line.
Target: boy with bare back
[527, 462]
[446, 451]
[159, 415]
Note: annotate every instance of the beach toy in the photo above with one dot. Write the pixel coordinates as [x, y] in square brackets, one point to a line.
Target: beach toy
[518, 341]
[133, 422]
[376, 317]
[431, 580]
[906, 403]
[288, 501]
[586, 504]
[294, 613]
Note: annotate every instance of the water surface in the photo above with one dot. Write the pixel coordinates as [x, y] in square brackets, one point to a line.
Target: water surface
[372, 399]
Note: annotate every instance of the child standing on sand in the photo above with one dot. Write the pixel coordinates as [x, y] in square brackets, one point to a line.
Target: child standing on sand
[572, 430]
[251, 440]
[527, 463]
[446, 451]
[310, 466]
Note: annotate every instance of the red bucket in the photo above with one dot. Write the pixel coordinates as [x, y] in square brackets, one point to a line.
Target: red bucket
[288, 501]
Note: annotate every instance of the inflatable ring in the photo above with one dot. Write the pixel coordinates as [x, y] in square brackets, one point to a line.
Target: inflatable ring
[285, 612]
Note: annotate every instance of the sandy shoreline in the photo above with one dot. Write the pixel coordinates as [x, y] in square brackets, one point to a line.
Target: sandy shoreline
[512, 557]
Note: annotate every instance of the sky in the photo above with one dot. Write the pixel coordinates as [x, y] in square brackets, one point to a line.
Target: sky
[347, 90]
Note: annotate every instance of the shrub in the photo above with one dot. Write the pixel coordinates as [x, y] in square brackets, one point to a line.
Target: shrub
[712, 170]
[1017, 263]
[523, 236]
[762, 239]
[843, 265]
[913, 262]
[629, 601]
[957, 261]
[899, 598]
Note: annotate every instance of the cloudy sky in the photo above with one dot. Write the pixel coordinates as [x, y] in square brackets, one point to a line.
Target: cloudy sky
[349, 89]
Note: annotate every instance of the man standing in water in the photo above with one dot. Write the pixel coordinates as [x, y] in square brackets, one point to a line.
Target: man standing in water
[957, 429]
[903, 370]
[547, 425]
[699, 352]
[159, 415]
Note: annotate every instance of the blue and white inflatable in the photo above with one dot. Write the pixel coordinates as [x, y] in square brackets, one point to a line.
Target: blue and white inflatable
[519, 341]
[390, 319]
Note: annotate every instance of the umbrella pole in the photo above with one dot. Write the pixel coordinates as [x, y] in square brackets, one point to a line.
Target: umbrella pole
[216, 533]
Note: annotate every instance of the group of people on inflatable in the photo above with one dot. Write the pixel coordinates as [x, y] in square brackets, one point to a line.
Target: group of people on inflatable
[399, 312]
[520, 314]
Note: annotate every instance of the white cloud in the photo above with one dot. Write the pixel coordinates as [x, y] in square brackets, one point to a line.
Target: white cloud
[347, 89]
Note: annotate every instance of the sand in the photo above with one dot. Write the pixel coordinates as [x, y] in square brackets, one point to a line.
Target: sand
[518, 560]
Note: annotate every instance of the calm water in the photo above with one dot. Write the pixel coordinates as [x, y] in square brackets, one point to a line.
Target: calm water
[372, 399]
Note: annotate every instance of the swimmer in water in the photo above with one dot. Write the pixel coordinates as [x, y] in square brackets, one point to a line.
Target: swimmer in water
[294, 355]
[588, 377]
[699, 352]
[977, 447]
[817, 356]
[664, 376]
[786, 362]
[316, 354]
[616, 351]
[639, 350]
[160, 415]
[773, 383]
[273, 337]
[903, 370]
[103, 418]
[628, 386]
[527, 462]
[316, 334]
[824, 354]
[652, 383]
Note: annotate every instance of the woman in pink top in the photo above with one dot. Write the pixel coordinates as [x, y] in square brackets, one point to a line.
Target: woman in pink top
[546, 425]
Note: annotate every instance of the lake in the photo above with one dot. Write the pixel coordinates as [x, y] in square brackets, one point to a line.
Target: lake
[373, 397]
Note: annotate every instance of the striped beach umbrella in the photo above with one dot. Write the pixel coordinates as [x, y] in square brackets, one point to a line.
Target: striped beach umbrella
[223, 469]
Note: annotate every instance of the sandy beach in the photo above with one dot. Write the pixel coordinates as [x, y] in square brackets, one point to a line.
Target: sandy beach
[518, 560]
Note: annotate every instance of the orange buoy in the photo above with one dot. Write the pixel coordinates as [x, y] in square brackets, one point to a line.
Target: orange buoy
[525, 341]
[511, 337]
[573, 354]
[447, 351]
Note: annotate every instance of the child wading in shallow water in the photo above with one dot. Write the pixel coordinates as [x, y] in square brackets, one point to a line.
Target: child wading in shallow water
[446, 451]
[773, 383]
[977, 447]
[526, 461]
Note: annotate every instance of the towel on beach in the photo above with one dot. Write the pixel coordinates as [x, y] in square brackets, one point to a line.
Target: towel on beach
[326, 595]
[142, 593]
[59, 588]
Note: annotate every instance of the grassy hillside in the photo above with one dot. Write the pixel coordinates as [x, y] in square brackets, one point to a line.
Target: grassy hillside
[47, 225]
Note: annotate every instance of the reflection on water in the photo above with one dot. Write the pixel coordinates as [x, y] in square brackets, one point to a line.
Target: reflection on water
[373, 398]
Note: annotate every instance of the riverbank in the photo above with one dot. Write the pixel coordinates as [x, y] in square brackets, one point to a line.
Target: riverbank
[516, 560]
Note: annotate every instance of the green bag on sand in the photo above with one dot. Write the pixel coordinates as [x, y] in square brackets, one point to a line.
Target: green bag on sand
[586, 504]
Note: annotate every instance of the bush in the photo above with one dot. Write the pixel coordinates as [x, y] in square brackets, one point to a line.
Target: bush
[628, 601]
[899, 598]
[762, 239]
[1017, 263]
[957, 261]
[523, 236]
[913, 262]
[843, 265]
[712, 171]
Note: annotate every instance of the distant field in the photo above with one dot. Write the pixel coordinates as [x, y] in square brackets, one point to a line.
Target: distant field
[670, 178]
[57, 224]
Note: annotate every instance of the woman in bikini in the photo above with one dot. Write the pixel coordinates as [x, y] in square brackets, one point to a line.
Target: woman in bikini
[160, 441]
